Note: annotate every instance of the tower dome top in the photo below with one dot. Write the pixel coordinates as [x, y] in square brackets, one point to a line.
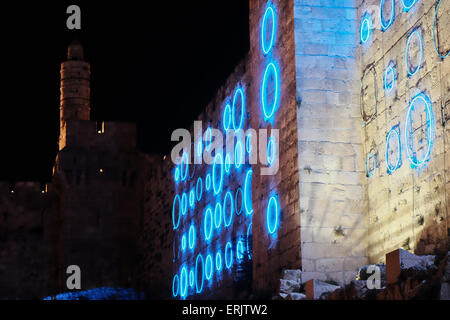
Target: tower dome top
[75, 51]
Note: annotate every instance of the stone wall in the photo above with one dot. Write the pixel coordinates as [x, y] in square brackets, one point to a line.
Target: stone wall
[332, 203]
[24, 251]
[408, 207]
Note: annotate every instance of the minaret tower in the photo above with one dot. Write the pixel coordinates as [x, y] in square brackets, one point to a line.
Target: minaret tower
[75, 89]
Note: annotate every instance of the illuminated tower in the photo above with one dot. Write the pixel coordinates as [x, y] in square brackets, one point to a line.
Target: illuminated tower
[75, 89]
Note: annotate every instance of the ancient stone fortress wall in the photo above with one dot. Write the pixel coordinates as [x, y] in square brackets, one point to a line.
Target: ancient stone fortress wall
[405, 94]
[235, 229]
[331, 168]
[24, 265]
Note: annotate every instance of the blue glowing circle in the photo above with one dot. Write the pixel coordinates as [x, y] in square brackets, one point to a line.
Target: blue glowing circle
[434, 35]
[228, 255]
[365, 29]
[389, 78]
[177, 174]
[183, 282]
[248, 143]
[238, 192]
[192, 198]
[183, 243]
[184, 203]
[218, 261]
[409, 131]
[227, 117]
[269, 109]
[241, 121]
[249, 238]
[198, 287]
[218, 215]
[385, 25]
[412, 71]
[248, 201]
[208, 182]
[271, 151]
[208, 225]
[175, 285]
[191, 278]
[227, 222]
[370, 156]
[395, 133]
[408, 4]
[191, 237]
[238, 155]
[185, 160]
[199, 189]
[268, 14]
[200, 149]
[208, 139]
[177, 223]
[227, 163]
[208, 267]
[272, 213]
[218, 160]
[240, 250]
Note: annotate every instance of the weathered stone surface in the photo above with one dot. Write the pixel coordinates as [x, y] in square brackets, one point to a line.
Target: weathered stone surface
[316, 289]
[288, 286]
[297, 296]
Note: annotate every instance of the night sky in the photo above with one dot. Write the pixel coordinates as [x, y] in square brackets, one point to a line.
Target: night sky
[158, 66]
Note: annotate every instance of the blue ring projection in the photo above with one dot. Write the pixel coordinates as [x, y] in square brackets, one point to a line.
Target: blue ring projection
[183, 283]
[199, 149]
[391, 168]
[183, 203]
[218, 261]
[177, 224]
[228, 261]
[408, 4]
[270, 12]
[199, 290]
[249, 236]
[191, 236]
[176, 174]
[241, 121]
[270, 110]
[430, 130]
[227, 117]
[434, 34]
[191, 278]
[227, 163]
[197, 188]
[271, 151]
[385, 25]
[388, 85]
[208, 139]
[408, 67]
[176, 280]
[184, 158]
[219, 188]
[226, 222]
[192, 198]
[369, 172]
[218, 217]
[183, 242]
[239, 190]
[272, 223]
[208, 267]
[238, 155]
[365, 29]
[208, 182]
[248, 143]
[239, 250]
[208, 230]
[248, 201]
